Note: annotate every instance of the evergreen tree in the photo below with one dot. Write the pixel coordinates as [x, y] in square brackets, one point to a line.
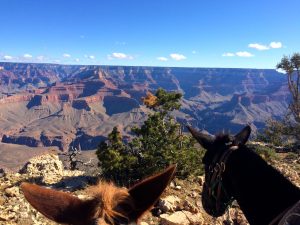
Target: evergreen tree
[114, 159]
[287, 131]
[291, 65]
[158, 143]
[161, 141]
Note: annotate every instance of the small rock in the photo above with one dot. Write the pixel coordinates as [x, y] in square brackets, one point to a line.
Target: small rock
[156, 211]
[4, 216]
[194, 194]
[182, 218]
[12, 192]
[172, 185]
[169, 203]
[144, 223]
[190, 207]
[200, 180]
[17, 175]
[2, 173]
[2, 200]
[195, 219]
[178, 187]
[177, 218]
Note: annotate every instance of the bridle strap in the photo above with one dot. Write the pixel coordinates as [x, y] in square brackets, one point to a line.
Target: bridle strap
[217, 171]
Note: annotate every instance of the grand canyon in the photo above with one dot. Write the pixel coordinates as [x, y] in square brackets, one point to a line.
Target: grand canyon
[46, 105]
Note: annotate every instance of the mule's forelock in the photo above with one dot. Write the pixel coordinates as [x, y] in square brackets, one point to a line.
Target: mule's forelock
[114, 203]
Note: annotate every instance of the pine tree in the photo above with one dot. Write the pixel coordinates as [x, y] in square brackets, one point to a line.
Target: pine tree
[158, 143]
[114, 159]
[291, 65]
[287, 130]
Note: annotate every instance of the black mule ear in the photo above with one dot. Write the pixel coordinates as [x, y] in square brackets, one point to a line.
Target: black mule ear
[242, 137]
[204, 140]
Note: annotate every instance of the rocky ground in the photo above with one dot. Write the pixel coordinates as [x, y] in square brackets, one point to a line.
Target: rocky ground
[179, 205]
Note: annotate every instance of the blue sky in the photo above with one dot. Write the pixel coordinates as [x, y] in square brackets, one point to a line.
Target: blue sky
[191, 33]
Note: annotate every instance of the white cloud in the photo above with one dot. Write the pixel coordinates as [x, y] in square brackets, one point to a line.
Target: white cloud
[228, 54]
[163, 59]
[89, 57]
[119, 55]
[194, 52]
[77, 60]
[258, 46]
[40, 58]
[7, 57]
[177, 56]
[274, 44]
[66, 55]
[56, 61]
[27, 56]
[261, 47]
[244, 54]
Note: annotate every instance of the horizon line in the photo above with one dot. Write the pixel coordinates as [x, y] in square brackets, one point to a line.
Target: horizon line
[188, 67]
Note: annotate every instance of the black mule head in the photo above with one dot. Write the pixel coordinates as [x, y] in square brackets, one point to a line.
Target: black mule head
[216, 196]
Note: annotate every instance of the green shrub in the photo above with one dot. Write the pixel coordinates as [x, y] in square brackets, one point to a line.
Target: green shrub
[157, 144]
[265, 152]
[280, 133]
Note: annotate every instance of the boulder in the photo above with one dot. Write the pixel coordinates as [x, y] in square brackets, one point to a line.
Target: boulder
[48, 167]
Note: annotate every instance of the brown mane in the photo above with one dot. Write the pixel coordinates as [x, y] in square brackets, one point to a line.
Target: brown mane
[109, 197]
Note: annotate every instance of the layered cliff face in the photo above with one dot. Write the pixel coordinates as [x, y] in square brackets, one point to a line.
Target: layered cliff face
[59, 105]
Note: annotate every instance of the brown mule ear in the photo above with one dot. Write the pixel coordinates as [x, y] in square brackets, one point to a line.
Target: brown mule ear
[59, 206]
[242, 137]
[204, 140]
[146, 193]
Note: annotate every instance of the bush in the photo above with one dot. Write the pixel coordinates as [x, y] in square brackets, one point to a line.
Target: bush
[158, 143]
[281, 133]
[116, 162]
[265, 152]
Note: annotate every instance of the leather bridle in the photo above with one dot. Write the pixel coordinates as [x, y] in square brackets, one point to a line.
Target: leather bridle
[214, 178]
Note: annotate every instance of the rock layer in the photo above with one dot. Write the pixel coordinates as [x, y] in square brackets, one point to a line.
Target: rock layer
[38, 100]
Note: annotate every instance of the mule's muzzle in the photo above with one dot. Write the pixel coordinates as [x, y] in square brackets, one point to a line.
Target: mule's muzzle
[209, 202]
